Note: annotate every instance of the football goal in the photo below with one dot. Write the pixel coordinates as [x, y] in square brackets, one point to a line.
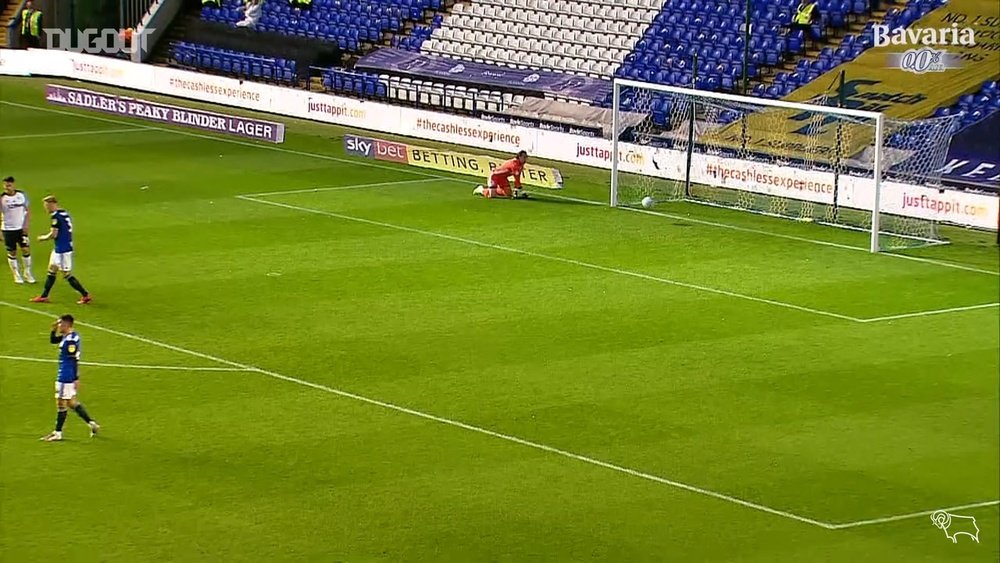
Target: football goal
[810, 161]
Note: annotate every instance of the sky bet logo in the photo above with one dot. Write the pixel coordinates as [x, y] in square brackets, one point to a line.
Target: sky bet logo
[376, 148]
[358, 146]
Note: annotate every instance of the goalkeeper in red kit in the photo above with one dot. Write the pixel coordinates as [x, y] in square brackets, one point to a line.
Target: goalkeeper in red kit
[498, 183]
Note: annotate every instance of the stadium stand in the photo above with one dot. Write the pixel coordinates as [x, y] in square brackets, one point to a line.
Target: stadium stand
[648, 40]
[359, 84]
[575, 37]
[975, 107]
[676, 42]
[418, 35]
[352, 24]
[244, 65]
[973, 157]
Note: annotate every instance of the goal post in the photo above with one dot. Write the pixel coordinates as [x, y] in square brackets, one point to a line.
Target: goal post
[810, 162]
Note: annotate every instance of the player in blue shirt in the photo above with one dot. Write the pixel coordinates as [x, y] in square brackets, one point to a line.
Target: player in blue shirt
[68, 380]
[61, 259]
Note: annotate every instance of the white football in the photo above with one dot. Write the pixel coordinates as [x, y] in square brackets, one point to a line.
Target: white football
[647, 202]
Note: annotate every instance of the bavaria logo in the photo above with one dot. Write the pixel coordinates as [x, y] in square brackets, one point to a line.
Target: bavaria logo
[953, 35]
[926, 56]
[457, 69]
[531, 78]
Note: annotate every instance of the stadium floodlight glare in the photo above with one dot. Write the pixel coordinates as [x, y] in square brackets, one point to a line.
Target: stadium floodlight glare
[805, 161]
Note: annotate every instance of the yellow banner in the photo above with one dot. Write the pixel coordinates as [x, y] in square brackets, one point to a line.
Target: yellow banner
[873, 82]
[479, 166]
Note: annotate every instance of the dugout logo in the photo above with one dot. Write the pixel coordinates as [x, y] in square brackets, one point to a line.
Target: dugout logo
[93, 41]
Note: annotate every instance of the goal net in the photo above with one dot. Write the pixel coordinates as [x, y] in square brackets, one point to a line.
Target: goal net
[805, 161]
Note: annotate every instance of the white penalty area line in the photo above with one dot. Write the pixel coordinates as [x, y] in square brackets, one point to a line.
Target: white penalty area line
[913, 515]
[781, 235]
[235, 366]
[929, 313]
[449, 422]
[551, 258]
[70, 134]
[359, 162]
[123, 366]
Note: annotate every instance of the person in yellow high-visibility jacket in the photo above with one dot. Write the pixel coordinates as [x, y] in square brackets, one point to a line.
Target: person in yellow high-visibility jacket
[31, 26]
[806, 14]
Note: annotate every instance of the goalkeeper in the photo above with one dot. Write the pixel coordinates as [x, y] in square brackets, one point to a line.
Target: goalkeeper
[498, 183]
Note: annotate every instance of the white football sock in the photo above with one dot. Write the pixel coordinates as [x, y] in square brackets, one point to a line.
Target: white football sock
[14, 266]
[27, 264]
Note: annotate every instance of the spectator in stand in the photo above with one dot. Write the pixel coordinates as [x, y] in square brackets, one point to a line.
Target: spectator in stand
[251, 14]
[806, 15]
[31, 26]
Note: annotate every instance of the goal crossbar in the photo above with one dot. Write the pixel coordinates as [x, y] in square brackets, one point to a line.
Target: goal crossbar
[876, 119]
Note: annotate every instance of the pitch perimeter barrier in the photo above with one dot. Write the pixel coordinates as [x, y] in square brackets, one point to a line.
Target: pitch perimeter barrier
[446, 161]
[962, 208]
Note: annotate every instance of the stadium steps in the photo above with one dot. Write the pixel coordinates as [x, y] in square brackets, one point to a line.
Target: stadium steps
[175, 32]
[9, 11]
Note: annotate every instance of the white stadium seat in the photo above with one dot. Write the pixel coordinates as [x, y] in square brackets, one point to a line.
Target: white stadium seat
[587, 37]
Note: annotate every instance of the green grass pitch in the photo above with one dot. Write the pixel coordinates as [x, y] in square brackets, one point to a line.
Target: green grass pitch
[405, 372]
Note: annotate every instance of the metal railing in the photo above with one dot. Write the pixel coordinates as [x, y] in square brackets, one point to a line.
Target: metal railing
[131, 12]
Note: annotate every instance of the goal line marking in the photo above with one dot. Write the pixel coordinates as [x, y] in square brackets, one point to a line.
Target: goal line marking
[506, 437]
[912, 515]
[124, 366]
[778, 235]
[397, 169]
[552, 258]
[929, 313]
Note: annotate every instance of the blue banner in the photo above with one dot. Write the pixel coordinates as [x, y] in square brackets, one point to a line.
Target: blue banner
[974, 156]
[454, 71]
[542, 124]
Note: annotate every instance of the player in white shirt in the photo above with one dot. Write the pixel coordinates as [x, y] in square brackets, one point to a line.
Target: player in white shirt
[15, 209]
